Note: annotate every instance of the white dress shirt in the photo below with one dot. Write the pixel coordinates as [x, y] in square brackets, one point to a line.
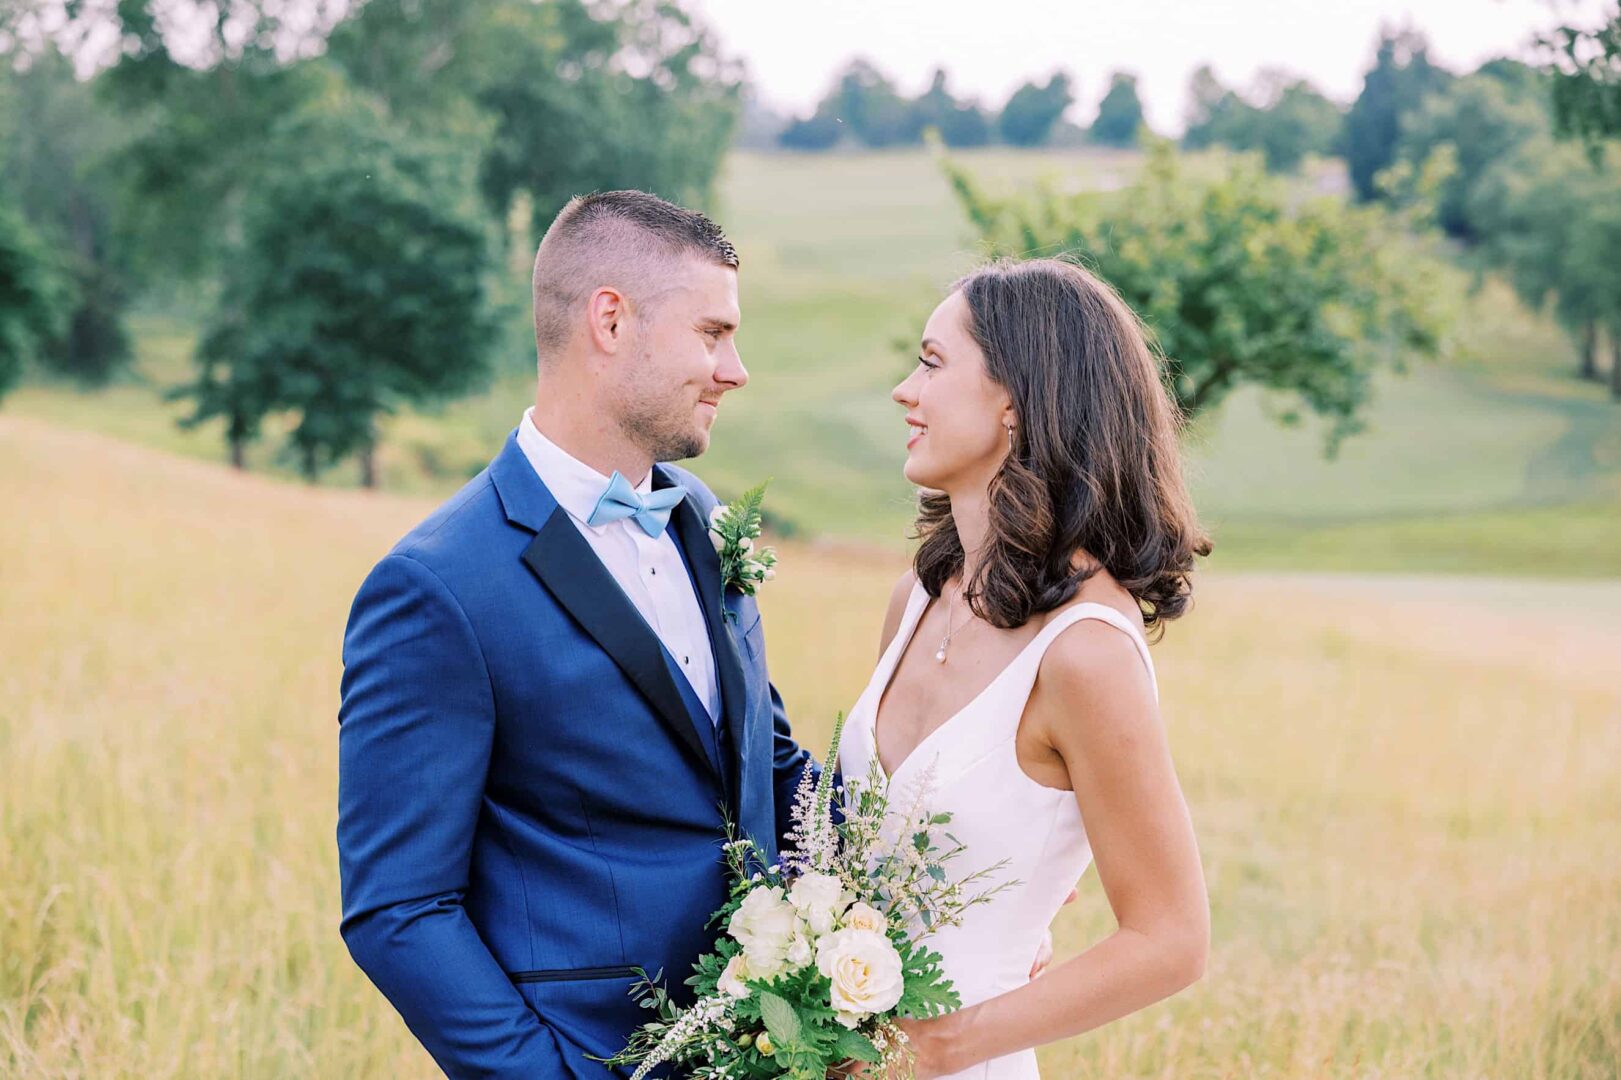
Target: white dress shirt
[650, 571]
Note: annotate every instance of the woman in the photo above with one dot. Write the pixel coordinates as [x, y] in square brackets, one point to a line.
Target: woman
[1014, 681]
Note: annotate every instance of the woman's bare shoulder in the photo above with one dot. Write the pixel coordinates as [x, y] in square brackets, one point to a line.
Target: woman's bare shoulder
[898, 596]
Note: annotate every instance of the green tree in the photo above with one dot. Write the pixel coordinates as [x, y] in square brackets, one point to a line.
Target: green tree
[1120, 113]
[1482, 118]
[562, 96]
[1031, 112]
[359, 288]
[1240, 282]
[56, 164]
[34, 298]
[1294, 121]
[1397, 84]
[1553, 222]
[1585, 65]
[960, 124]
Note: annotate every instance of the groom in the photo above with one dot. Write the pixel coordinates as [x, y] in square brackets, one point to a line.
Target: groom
[550, 706]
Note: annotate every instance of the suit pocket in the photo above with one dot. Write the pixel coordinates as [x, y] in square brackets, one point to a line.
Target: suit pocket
[754, 638]
[575, 974]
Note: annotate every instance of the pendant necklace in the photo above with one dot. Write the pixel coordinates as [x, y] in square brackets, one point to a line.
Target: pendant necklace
[951, 607]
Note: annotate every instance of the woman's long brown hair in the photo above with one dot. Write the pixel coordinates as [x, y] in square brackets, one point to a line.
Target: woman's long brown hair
[1096, 466]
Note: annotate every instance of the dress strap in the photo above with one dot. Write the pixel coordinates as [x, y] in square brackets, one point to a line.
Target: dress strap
[1088, 609]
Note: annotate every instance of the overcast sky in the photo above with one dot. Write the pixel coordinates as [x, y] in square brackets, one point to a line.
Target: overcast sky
[793, 47]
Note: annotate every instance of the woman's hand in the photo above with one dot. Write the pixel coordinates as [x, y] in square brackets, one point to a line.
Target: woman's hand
[930, 1042]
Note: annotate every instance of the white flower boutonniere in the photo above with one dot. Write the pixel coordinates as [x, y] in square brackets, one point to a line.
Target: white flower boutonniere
[734, 530]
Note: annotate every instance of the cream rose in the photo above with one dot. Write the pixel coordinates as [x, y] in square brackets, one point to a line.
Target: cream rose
[865, 971]
[764, 925]
[864, 917]
[731, 980]
[820, 900]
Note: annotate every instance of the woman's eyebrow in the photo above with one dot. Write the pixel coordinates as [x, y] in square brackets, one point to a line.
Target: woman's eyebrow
[930, 343]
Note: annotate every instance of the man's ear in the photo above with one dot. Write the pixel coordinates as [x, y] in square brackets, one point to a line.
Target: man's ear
[606, 312]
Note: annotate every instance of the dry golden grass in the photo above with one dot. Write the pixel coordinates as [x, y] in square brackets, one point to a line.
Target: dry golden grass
[1405, 791]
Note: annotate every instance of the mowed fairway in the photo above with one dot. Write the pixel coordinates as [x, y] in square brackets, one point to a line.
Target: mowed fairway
[1405, 791]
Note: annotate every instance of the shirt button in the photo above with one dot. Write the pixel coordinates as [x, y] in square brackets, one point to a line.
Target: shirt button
[653, 570]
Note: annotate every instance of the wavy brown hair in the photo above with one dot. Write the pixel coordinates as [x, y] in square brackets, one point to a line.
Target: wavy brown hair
[1096, 465]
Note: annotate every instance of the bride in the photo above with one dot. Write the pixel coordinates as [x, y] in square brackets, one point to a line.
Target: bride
[1015, 685]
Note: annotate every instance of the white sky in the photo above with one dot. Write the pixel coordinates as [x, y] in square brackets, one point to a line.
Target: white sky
[794, 47]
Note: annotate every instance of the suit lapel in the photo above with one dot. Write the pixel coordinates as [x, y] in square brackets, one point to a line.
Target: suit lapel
[705, 566]
[571, 571]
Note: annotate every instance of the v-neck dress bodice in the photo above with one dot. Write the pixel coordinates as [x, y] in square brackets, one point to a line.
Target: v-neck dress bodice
[969, 767]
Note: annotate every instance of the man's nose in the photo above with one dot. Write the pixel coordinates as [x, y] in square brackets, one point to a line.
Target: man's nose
[731, 371]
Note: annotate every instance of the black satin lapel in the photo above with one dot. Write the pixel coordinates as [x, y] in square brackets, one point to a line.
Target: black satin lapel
[571, 571]
[705, 564]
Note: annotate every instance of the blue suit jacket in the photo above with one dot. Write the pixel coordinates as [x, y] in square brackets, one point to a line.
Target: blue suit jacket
[528, 807]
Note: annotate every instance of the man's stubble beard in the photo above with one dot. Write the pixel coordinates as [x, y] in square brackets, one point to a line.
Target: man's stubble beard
[661, 423]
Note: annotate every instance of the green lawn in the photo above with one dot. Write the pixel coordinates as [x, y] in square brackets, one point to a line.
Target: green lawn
[1496, 461]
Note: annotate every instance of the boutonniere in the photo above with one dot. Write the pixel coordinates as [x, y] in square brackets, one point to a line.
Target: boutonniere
[733, 529]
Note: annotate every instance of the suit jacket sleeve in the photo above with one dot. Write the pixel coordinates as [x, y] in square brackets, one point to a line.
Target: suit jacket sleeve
[415, 731]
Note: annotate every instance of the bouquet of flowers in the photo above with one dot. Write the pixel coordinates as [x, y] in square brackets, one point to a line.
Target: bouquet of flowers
[824, 951]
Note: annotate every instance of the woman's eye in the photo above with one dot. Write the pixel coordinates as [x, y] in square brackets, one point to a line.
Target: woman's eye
[931, 365]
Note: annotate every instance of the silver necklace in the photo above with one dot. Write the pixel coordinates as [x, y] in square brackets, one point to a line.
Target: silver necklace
[945, 642]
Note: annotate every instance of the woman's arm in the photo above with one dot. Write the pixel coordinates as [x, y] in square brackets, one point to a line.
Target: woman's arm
[1094, 702]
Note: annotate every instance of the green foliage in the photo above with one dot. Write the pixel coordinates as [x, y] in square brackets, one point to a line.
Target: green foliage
[960, 124]
[1479, 120]
[561, 97]
[1586, 68]
[1293, 121]
[33, 296]
[1238, 283]
[358, 288]
[1553, 222]
[1120, 114]
[56, 165]
[1030, 114]
[1400, 79]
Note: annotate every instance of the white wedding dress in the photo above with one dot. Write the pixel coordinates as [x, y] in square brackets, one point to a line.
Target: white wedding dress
[998, 813]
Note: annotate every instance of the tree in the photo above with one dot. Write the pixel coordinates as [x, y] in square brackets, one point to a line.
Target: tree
[1239, 281]
[1029, 115]
[1482, 118]
[1553, 222]
[358, 289]
[1120, 114]
[959, 124]
[56, 164]
[563, 96]
[1400, 79]
[34, 298]
[1293, 121]
[1585, 65]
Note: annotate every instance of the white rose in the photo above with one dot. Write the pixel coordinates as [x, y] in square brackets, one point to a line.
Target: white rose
[731, 980]
[717, 514]
[865, 971]
[745, 545]
[821, 899]
[717, 540]
[764, 925]
[769, 574]
[864, 917]
[800, 952]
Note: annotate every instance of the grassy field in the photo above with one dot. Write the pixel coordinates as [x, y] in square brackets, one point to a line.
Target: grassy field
[1497, 461]
[1404, 787]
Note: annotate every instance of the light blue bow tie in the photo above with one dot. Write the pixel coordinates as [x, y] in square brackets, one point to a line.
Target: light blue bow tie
[651, 511]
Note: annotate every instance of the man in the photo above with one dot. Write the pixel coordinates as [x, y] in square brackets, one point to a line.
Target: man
[550, 706]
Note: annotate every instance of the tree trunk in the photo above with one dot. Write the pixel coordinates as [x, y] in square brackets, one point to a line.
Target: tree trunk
[307, 464]
[1590, 351]
[238, 453]
[368, 466]
[1615, 362]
